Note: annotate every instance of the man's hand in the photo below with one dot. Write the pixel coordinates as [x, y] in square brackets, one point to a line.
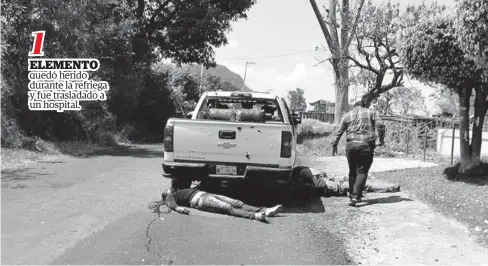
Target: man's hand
[182, 210]
[334, 150]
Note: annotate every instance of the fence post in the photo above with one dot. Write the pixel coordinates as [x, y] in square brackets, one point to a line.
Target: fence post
[452, 142]
[425, 141]
[408, 139]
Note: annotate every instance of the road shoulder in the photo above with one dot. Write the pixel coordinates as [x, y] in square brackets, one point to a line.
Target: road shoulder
[397, 228]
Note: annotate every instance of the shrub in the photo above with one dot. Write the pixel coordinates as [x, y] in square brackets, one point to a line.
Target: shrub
[321, 147]
[312, 129]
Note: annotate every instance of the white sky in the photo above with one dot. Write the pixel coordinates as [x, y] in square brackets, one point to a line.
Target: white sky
[278, 27]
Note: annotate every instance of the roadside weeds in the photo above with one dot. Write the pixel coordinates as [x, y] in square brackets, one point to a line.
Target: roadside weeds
[15, 158]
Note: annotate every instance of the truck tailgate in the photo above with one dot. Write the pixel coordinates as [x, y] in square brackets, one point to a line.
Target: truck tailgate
[216, 141]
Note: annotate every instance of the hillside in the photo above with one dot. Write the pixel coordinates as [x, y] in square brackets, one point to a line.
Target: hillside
[225, 74]
[222, 72]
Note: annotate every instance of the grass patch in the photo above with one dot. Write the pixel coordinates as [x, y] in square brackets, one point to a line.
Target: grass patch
[463, 201]
[13, 158]
[77, 148]
[321, 147]
[313, 129]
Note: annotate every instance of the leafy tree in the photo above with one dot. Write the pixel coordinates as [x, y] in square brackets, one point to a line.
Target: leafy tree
[431, 53]
[296, 99]
[400, 100]
[215, 83]
[373, 51]
[406, 100]
[383, 104]
[342, 15]
[446, 101]
[472, 21]
[127, 37]
[189, 86]
[185, 31]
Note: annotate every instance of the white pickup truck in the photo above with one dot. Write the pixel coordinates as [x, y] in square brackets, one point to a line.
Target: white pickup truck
[231, 136]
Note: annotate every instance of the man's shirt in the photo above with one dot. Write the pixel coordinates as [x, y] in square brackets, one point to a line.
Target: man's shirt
[181, 197]
[359, 125]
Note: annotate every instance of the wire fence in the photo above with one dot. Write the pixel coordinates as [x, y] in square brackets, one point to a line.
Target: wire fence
[417, 138]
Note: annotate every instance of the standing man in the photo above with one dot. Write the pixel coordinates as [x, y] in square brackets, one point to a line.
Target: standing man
[359, 125]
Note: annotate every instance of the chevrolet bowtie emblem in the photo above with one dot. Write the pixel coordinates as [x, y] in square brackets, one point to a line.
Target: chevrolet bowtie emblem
[226, 145]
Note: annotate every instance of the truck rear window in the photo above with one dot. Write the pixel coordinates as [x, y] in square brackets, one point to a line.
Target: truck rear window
[236, 109]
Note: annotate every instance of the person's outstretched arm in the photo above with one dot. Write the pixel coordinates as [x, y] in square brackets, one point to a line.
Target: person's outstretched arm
[170, 199]
[338, 135]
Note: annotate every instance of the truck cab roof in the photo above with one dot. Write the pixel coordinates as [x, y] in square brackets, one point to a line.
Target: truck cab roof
[260, 95]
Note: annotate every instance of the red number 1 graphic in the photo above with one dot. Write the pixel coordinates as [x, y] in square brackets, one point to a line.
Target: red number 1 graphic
[38, 43]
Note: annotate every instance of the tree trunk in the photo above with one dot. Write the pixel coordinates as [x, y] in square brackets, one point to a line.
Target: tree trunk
[480, 108]
[341, 90]
[339, 48]
[465, 148]
[368, 98]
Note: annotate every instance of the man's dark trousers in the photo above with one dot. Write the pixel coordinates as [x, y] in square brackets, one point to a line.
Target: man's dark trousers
[360, 158]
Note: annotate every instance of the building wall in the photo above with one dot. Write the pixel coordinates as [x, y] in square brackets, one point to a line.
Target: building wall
[330, 109]
[320, 108]
[444, 142]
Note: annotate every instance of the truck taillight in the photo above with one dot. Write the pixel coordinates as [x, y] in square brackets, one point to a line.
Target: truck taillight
[286, 144]
[168, 136]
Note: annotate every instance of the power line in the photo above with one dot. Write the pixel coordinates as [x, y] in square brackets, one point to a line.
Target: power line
[267, 57]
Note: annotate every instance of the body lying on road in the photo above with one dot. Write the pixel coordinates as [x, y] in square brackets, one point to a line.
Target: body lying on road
[313, 183]
[306, 182]
[201, 200]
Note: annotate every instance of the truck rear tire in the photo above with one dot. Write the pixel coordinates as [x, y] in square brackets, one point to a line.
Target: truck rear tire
[178, 183]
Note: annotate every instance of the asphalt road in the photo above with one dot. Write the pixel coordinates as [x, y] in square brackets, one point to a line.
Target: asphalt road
[93, 210]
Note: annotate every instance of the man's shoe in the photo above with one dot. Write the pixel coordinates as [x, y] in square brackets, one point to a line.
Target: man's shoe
[270, 212]
[353, 202]
[260, 216]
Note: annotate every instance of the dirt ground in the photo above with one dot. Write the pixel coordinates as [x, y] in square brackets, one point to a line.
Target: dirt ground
[463, 200]
[399, 228]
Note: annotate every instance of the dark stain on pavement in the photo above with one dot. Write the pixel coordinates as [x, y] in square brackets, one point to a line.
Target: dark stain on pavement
[20, 174]
[125, 151]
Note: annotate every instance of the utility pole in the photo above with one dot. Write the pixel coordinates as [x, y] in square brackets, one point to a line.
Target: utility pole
[245, 72]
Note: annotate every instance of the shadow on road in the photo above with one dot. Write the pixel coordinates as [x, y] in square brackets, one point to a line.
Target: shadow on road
[387, 200]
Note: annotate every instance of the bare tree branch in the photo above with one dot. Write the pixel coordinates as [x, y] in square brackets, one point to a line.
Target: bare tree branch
[324, 28]
[366, 55]
[366, 67]
[333, 21]
[321, 61]
[355, 23]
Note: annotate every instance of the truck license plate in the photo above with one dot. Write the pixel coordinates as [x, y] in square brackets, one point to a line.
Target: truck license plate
[226, 170]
